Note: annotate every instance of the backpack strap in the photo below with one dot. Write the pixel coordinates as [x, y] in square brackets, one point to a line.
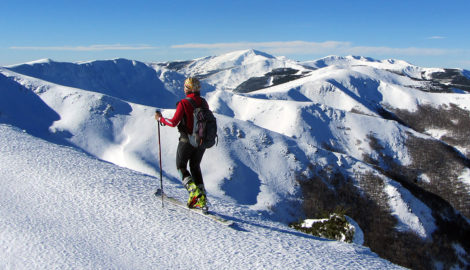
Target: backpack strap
[183, 128]
[193, 103]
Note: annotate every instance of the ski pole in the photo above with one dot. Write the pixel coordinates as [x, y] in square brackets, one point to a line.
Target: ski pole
[160, 159]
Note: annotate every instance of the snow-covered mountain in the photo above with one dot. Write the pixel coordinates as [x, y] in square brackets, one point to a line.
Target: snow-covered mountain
[386, 140]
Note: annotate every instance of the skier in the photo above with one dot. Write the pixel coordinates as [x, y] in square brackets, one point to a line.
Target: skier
[183, 119]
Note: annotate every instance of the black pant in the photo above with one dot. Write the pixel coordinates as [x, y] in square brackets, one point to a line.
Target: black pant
[186, 152]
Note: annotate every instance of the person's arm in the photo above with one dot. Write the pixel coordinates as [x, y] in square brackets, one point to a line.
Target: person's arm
[173, 122]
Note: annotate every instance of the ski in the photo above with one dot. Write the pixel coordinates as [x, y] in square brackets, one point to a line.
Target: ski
[182, 205]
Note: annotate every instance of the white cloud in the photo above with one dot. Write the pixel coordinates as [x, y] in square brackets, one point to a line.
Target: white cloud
[276, 47]
[304, 47]
[112, 47]
[286, 47]
[397, 51]
[436, 37]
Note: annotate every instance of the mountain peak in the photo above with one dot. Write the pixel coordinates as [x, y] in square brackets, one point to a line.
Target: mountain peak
[244, 54]
[260, 53]
[361, 58]
[35, 62]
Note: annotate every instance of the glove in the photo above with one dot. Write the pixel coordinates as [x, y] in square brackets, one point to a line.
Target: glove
[158, 115]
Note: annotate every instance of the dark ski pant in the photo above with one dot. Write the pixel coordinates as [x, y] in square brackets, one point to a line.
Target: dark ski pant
[187, 153]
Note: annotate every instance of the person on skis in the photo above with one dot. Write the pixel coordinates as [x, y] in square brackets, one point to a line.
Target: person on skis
[183, 119]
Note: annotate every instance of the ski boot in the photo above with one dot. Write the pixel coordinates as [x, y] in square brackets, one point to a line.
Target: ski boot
[194, 191]
[202, 200]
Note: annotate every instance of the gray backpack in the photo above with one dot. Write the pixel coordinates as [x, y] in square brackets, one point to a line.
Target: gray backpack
[204, 126]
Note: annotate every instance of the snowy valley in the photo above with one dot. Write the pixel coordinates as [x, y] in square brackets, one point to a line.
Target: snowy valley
[384, 140]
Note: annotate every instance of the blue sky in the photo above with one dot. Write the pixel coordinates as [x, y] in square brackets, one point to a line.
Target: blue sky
[425, 33]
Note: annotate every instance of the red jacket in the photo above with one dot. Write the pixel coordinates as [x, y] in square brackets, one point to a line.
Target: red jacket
[184, 109]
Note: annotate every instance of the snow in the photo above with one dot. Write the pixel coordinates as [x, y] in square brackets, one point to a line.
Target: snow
[83, 184]
[465, 178]
[308, 223]
[424, 177]
[412, 214]
[436, 133]
[358, 233]
[62, 208]
[233, 68]
[291, 130]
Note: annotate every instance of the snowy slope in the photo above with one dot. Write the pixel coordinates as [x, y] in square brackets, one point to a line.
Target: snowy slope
[64, 209]
[124, 79]
[325, 118]
[125, 134]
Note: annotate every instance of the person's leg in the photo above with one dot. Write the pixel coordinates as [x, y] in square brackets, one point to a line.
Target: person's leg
[195, 168]
[195, 165]
[183, 154]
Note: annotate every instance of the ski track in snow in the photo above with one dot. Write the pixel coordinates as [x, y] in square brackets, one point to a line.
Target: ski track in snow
[61, 208]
